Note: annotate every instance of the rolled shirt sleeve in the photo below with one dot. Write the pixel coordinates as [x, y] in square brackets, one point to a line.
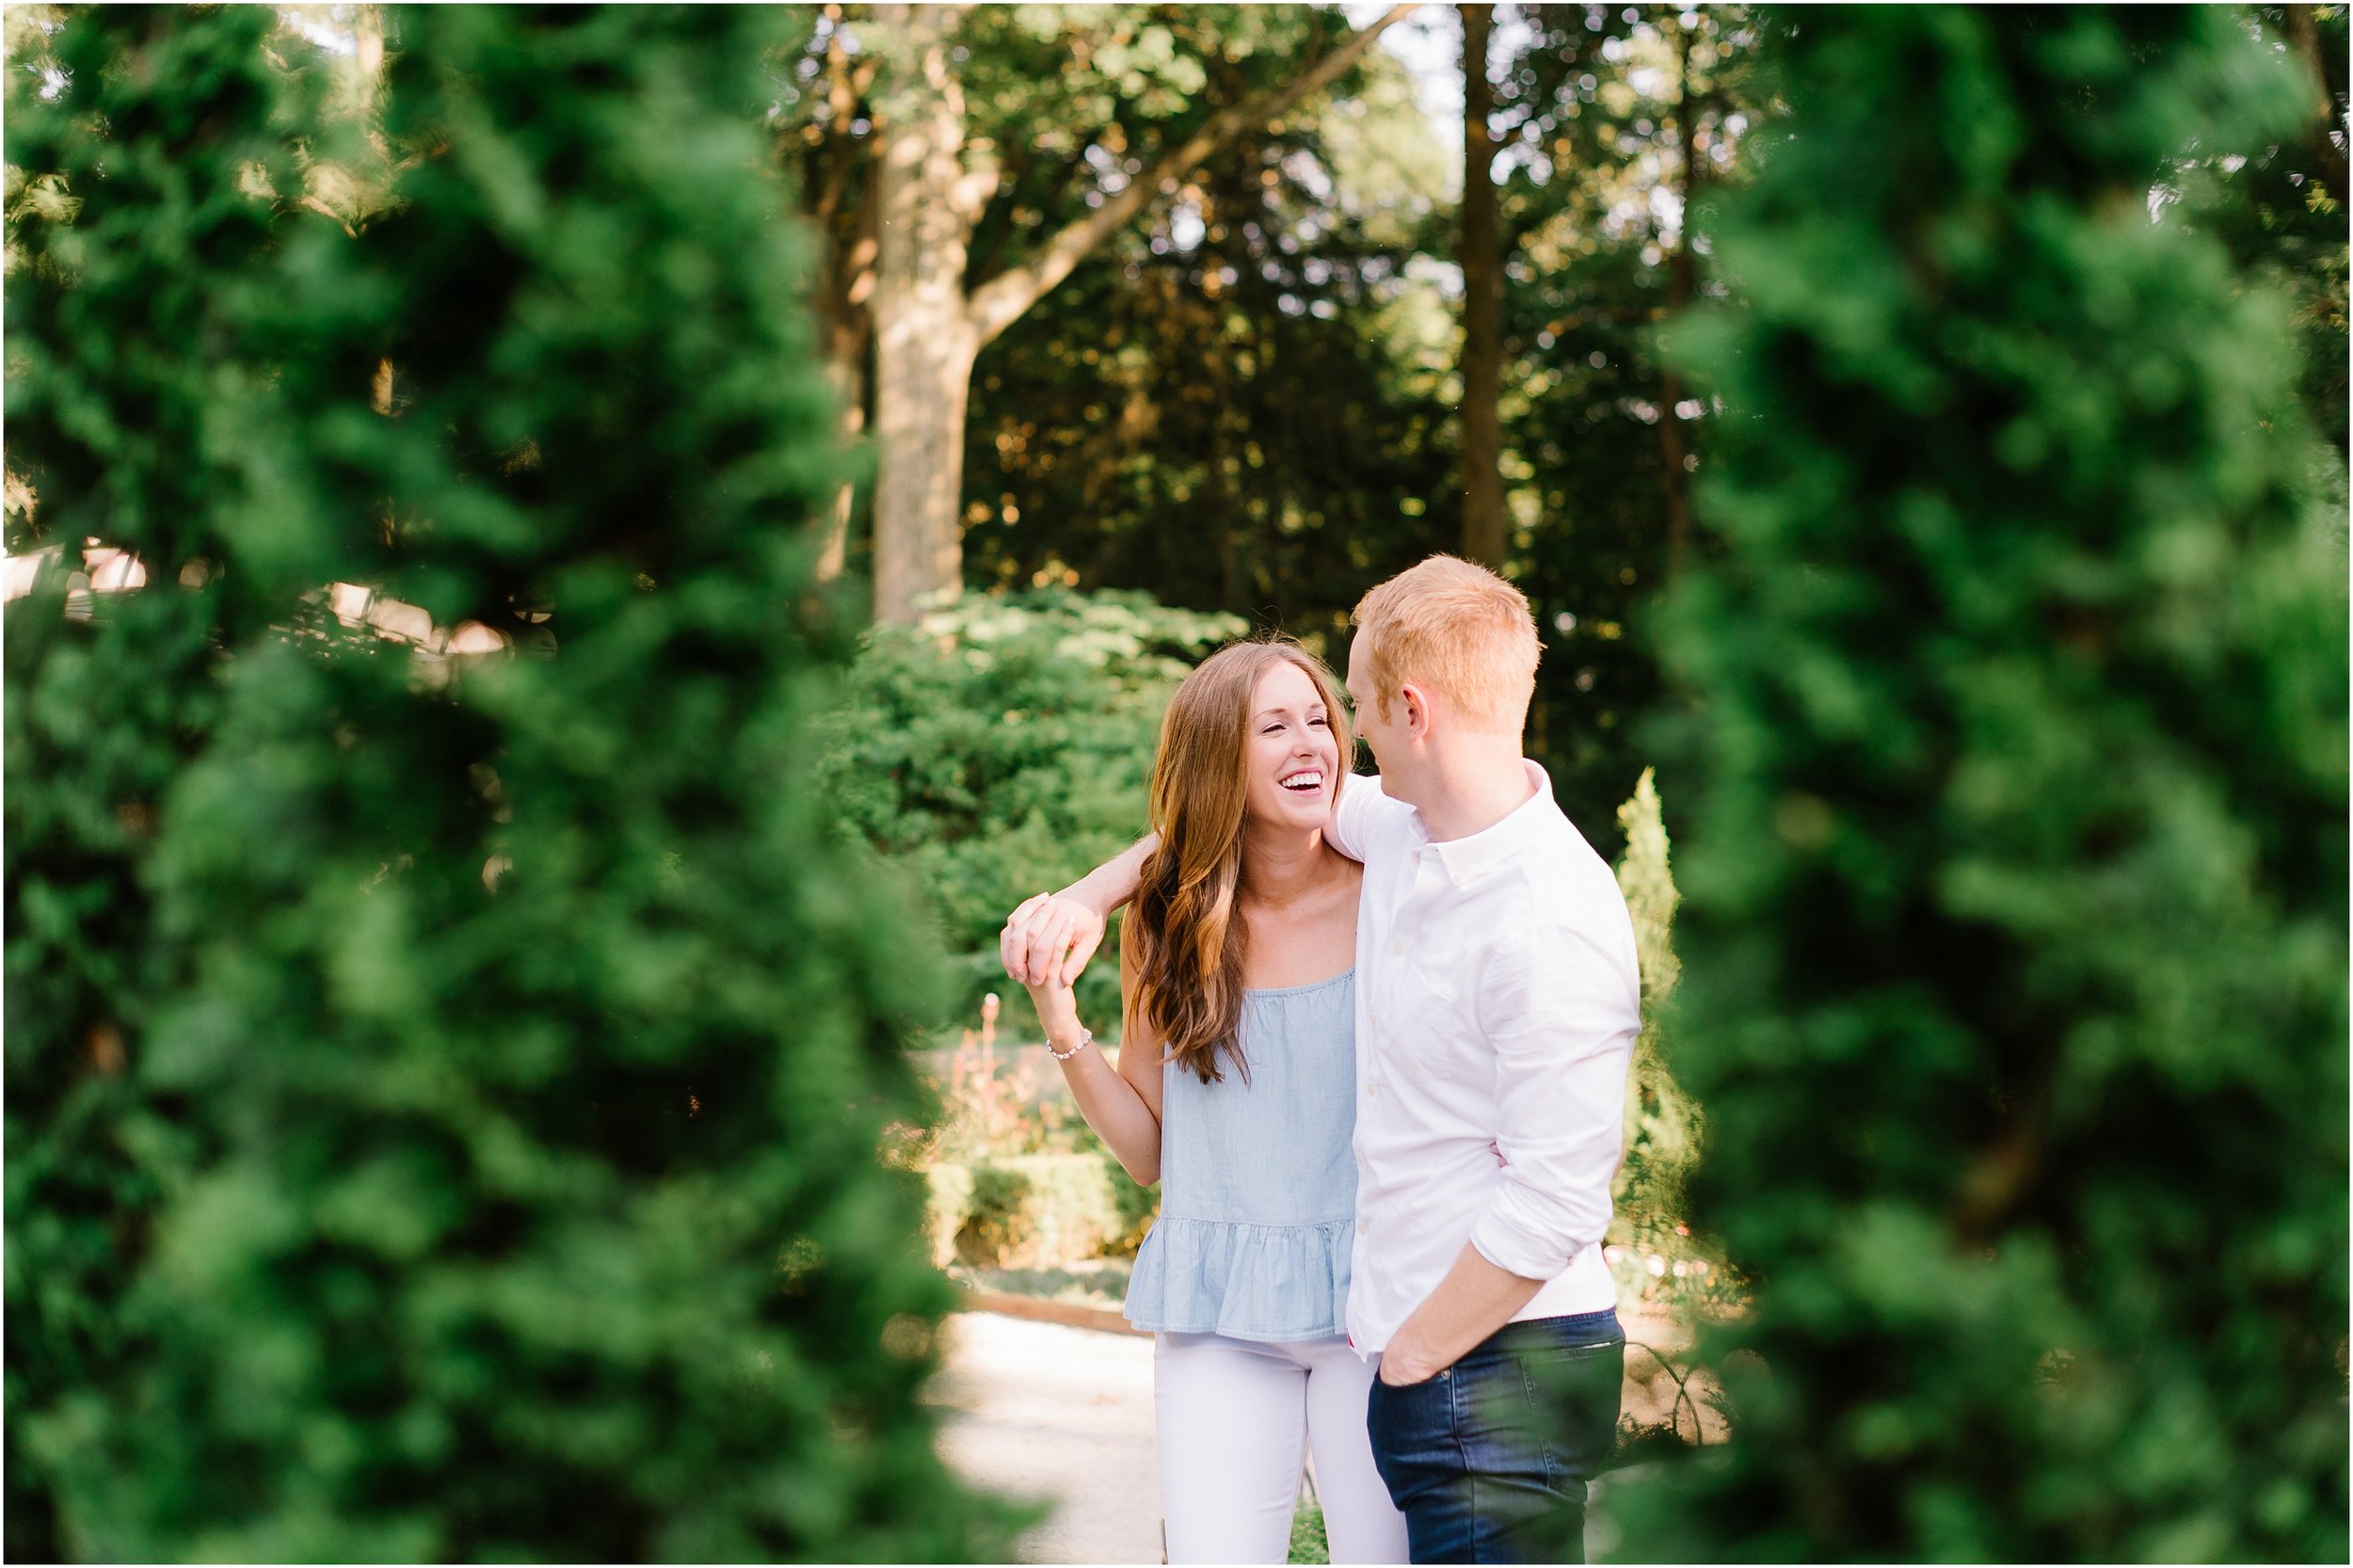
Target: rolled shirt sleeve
[1562, 1013]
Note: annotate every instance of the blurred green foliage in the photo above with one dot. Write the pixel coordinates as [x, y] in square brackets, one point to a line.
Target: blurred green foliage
[443, 1092]
[2015, 927]
[1003, 747]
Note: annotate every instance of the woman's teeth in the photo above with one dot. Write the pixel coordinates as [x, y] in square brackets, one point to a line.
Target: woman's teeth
[1300, 783]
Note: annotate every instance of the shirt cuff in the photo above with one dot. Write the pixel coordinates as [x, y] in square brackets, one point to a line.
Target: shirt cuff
[1514, 1249]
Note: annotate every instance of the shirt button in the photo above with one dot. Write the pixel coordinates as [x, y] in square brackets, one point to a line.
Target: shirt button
[1397, 950]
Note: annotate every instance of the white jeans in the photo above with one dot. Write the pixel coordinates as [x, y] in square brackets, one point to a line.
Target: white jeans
[1233, 1418]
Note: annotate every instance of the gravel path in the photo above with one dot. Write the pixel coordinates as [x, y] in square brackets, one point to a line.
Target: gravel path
[1063, 1415]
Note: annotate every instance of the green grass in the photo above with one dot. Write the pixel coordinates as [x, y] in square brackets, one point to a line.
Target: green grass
[1308, 1542]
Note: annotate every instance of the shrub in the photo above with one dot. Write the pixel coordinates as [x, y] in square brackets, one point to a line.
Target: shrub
[1662, 1126]
[442, 1094]
[2015, 922]
[1036, 1210]
[949, 1191]
[1003, 747]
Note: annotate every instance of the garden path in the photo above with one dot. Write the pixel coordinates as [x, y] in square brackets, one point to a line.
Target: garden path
[1061, 1415]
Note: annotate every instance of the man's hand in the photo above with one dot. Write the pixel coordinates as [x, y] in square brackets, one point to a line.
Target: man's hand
[1049, 940]
[1405, 1361]
[1474, 1299]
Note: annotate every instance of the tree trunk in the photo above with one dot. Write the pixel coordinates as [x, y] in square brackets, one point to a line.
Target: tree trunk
[1675, 476]
[927, 334]
[849, 329]
[2303, 29]
[848, 376]
[924, 341]
[848, 282]
[1483, 515]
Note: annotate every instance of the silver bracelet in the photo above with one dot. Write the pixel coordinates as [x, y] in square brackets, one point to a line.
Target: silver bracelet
[1087, 1038]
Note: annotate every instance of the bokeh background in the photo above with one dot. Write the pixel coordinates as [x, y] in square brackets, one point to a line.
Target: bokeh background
[564, 570]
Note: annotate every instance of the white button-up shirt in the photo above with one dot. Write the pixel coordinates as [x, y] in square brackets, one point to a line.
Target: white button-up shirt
[1497, 998]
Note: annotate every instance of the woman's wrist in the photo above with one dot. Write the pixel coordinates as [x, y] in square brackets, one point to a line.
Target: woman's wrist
[1094, 892]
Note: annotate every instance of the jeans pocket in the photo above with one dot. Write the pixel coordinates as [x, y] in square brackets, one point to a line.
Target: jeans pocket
[1407, 1422]
[1573, 1394]
[1572, 1369]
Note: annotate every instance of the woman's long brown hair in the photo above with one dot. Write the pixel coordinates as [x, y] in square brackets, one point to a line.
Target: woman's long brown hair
[1185, 927]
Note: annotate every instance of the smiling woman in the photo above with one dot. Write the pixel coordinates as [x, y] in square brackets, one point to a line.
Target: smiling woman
[1241, 741]
[1239, 954]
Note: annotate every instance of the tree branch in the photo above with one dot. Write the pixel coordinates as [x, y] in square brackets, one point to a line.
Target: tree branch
[999, 303]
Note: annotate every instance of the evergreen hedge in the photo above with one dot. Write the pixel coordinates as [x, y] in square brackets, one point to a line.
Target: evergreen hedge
[1002, 747]
[2014, 943]
[443, 1092]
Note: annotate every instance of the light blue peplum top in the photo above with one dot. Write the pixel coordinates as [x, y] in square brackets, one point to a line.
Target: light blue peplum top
[1259, 1178]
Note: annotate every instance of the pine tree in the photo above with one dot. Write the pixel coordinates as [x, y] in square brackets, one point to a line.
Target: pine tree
[1663, 1128]
[443, 1087]
[2015, 935]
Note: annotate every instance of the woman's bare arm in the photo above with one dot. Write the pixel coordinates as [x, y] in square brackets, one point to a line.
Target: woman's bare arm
[1068, 926]
[1122, 1104]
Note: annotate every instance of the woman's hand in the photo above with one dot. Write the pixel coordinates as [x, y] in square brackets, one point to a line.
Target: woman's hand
[1050, 939]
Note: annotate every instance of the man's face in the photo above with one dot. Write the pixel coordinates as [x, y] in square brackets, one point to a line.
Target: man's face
[1387, 734]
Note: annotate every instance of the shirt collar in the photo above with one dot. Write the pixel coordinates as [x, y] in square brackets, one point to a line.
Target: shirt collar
[1467, 859]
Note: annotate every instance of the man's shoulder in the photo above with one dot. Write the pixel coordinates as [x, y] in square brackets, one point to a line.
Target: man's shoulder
[1559, 864]
[1374, 823]
[1562, 885]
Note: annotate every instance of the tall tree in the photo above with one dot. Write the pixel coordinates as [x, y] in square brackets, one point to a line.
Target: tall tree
[1690, 163]
[934, 182]
[2280, 203]
[1236, 406]
[1597, 110]
[1484, 530]
[443, 1091]
[840, 199]
[2014, 922]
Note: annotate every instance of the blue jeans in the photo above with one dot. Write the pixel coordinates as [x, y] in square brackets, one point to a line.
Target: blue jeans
[1488, 1461]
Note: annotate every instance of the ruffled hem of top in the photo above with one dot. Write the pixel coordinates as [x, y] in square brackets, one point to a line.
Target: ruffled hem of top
[1266, 1283]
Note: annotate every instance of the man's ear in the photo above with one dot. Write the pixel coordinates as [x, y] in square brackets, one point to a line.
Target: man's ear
[1418, 714]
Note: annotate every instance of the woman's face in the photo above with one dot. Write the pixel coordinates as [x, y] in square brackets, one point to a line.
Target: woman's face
[1294, 758]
